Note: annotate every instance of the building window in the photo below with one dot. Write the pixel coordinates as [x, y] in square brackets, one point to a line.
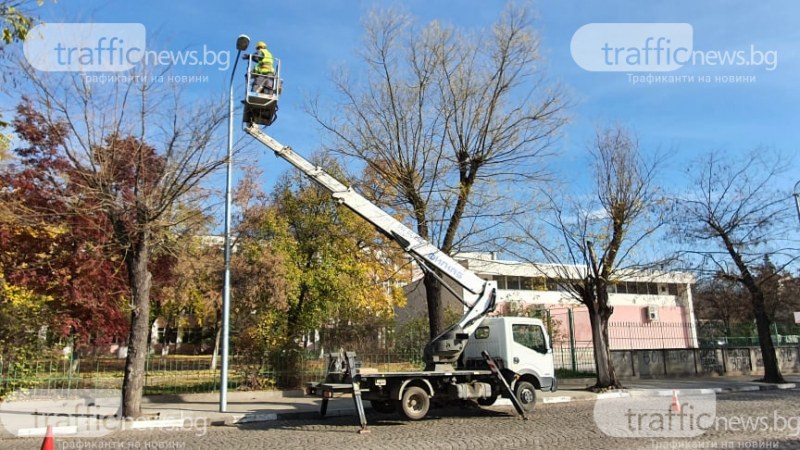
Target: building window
[672, 289]
[526, 283]
[642, 288]
[540, 284]
[512, 283]
[501, 281]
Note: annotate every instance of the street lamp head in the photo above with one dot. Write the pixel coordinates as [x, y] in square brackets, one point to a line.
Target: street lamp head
[242, 42]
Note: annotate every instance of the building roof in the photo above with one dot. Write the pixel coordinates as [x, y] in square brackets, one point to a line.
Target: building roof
[486, 264]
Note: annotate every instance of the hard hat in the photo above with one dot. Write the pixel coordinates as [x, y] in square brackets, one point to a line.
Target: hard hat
[261, 44]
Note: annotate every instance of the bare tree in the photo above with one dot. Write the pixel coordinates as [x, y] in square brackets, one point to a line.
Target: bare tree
[136, 152]
[721, 304]
[444, 122]
[780, 292]
[590, 242]
[733, 217]
[726, 306]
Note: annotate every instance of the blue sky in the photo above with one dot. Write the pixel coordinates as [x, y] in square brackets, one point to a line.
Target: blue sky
[311, 37]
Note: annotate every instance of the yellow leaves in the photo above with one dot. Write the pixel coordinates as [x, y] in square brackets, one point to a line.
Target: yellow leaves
[54, 231]
[271, 330]
[21, 299]
[44, 231]
[5, 144]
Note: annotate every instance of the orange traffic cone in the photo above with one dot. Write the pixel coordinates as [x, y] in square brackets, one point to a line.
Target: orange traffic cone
[676, 405]
[48, 443]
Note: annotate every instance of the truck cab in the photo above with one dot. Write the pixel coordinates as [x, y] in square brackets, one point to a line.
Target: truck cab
[519, 345]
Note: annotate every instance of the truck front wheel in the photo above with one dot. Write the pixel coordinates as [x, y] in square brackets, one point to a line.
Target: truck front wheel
[415, 403]
[526, 394]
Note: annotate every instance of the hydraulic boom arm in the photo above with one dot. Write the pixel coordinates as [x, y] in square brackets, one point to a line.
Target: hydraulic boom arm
[446, 348]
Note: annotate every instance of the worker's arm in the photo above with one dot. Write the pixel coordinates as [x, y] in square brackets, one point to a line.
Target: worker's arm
[253, 56]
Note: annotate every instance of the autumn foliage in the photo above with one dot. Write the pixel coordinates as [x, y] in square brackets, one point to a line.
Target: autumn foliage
[54, 242]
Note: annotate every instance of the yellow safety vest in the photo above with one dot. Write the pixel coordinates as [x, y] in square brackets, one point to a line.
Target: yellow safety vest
[265, 63]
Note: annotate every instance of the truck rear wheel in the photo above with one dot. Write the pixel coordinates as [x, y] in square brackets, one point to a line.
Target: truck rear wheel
[526, 394]
[415, 403]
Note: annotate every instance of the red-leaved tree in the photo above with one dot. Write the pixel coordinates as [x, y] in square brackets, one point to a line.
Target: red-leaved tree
[56, 242]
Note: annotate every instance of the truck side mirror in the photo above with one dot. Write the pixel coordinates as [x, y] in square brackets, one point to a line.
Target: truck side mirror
[543, 349]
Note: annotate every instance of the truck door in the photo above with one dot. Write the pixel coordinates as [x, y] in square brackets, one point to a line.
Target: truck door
[530, 350]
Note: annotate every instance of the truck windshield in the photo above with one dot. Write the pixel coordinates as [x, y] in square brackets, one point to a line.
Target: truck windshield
[530, 336]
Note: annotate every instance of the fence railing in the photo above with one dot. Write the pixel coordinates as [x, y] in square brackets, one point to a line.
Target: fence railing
[636, 335]
[176, 374]
[162, 375]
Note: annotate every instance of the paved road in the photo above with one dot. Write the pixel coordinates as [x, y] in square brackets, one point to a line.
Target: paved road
[560, 426]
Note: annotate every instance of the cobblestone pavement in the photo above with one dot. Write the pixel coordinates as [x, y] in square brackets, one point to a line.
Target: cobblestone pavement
[564, 426]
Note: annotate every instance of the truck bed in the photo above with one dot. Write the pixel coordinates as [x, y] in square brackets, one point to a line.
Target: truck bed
[373, 373]
[337, 389]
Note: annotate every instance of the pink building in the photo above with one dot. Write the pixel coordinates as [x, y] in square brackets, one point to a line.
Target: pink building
[652, 309]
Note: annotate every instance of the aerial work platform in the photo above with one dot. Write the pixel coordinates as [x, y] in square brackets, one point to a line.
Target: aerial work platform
[261, 95]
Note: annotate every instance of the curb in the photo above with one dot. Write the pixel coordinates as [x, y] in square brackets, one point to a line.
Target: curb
[242, 419]
[154, 424]
[41, 431]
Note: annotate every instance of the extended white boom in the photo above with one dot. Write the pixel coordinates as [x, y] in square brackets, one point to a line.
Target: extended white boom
[447, 347]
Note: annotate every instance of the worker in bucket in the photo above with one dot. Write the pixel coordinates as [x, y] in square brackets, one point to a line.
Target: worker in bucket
[264, 70]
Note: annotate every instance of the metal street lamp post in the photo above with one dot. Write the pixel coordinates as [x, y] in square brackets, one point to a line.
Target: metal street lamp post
[241, 44]
[796, 195]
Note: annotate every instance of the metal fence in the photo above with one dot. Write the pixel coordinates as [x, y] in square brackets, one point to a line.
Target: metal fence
[575, 358]
[573, 362]
[176, 374]
[654, 335]
[163, 374]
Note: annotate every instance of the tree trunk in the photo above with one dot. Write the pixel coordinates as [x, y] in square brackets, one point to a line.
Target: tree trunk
[293, 328]
[606, 376]
[139, 279]
[772, 373]
[287, 360]
[433, 295]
